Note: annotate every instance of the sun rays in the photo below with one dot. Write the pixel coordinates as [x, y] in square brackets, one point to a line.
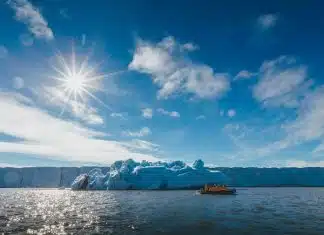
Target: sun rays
[77, 80]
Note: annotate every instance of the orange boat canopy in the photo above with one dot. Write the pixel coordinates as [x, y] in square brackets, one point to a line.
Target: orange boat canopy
[215, 188]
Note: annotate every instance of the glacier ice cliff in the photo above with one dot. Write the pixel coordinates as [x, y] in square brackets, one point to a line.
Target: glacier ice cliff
[54, 177]
[146, 175]
[41, 177]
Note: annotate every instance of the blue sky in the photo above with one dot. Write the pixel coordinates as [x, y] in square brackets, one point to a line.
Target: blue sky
[233, 83]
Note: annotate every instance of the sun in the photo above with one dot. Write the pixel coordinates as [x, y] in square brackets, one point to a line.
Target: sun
[76, 83]
[77, 80]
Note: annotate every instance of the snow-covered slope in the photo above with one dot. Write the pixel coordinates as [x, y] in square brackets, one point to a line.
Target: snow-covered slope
[64, 176]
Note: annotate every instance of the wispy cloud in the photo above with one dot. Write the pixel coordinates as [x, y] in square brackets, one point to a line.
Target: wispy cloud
[118, 115]
[200, 117]
[244, 74]
[26, 39]
[3, 52]
[301, 164]
[53, 137]
[138, 144]
[174, 73]
[168, 113]
[267, 21]
[253, 142]
[306, 127]
[189, 47]
[231, 113]
[282, 82]
[141, 133]
[2, 165]
[18, 82]
[31, 16]
[147, 113]
[56, 97]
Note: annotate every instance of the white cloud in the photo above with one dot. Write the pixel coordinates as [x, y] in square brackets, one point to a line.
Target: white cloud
[300, 163]
[319, 148]
[309, 123]
[168, 113]
[118, 115]
[267, 21]
[211, 165]
[174, 73]
[231, 113]
[31, 16]
[200, 117]
[56, 97]
[282, 82]
[141, 145]
[255, 141]
[307, 127]
[92, 118]
[244, 74]
[53, 137]
[86, 113]
[147, 113]
[3, 165]
[141, 133]
[190, 47]
[18, 83]
[152, 59]
[26, 40]
[17, 96]
[3, 52]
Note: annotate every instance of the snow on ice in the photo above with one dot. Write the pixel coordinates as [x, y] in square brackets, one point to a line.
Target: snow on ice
[146, 175]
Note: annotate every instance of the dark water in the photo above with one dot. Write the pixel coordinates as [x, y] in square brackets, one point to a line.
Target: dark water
[252, 211]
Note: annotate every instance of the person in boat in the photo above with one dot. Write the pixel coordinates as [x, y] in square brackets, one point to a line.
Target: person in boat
[216, 189]
[214, 186]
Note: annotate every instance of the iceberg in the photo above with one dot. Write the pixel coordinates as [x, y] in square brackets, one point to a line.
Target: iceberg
[129, 174]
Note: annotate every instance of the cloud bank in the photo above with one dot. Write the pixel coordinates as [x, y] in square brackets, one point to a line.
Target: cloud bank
[174, 73]
[42, 134]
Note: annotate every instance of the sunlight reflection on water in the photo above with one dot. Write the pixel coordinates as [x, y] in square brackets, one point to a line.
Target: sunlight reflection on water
[56, 211]
[253, 211]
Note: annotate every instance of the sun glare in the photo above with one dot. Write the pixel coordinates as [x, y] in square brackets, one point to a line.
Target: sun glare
[75, 83]
[77, 80]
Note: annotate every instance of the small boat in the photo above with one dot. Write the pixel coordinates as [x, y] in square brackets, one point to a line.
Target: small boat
[217, 190]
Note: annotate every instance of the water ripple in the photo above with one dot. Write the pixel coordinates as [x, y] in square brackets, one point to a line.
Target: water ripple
[253, 211]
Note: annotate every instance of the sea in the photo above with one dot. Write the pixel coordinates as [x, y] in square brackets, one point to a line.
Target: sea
[251, 211]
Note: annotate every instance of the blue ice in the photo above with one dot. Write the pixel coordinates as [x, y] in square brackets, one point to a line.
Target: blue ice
[149, 175]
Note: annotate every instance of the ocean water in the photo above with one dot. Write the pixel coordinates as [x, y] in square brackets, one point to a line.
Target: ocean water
[252, 211]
